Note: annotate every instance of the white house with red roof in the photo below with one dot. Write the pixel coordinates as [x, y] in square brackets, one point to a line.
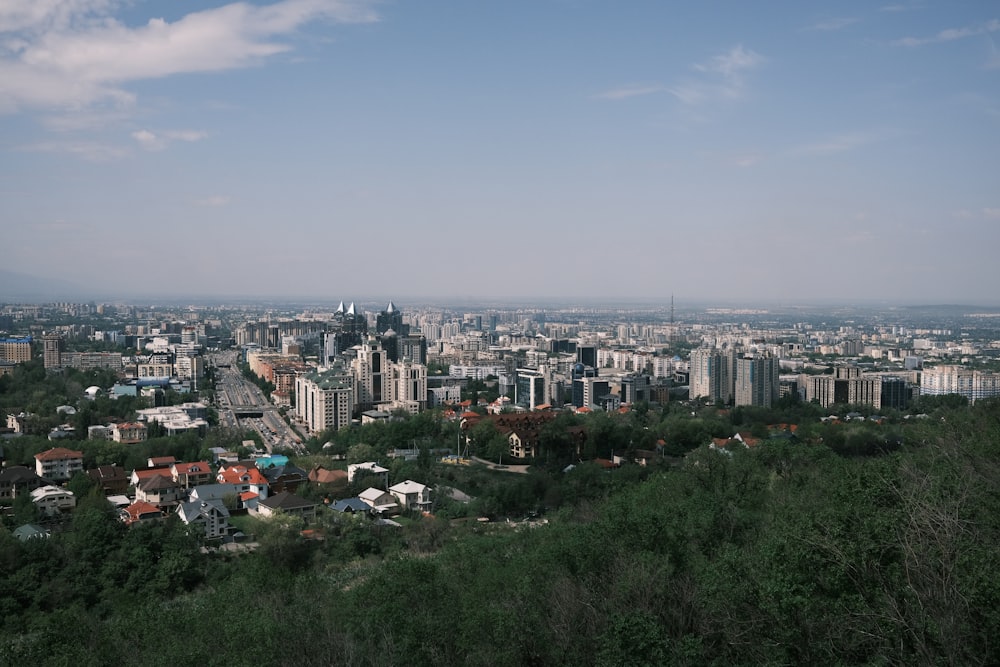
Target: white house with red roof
[244, 479]
[192, 474]
[58, 464]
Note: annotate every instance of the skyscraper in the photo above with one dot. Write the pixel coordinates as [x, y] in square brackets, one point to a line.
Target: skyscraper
[391, 318]
[756, 381]
[712, 372]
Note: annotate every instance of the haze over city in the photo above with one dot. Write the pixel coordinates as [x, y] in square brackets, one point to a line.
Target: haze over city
[550, 149]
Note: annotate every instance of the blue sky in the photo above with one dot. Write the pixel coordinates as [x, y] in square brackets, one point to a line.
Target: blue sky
[731, 151]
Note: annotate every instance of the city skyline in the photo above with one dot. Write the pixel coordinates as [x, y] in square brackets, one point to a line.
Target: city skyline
[568, 149]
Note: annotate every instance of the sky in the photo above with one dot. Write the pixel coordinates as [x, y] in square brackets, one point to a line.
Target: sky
[731, 151]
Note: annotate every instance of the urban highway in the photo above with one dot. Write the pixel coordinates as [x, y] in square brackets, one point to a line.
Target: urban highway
[241, 404]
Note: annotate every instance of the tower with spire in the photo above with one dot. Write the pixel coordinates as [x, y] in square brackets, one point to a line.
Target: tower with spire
[391, 318]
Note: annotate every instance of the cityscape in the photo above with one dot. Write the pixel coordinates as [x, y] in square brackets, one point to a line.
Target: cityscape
[562, 332]
[329, 440]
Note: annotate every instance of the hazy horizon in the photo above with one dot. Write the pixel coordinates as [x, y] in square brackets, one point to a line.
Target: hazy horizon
[555, 149]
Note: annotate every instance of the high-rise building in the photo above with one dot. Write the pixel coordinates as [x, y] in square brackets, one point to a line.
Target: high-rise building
[712, 373]
[411, 385]
[15, 350]
[325, 399]
[372, 377]
[587, 391]
[391, 318]
[756, 381]
[529, 388]
[974, 385]
[52, 348]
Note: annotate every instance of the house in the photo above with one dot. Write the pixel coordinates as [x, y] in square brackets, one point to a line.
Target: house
[522, 445]
[284, 478]
[243, 479]
[53, 500]
[29, 531]
[139, 476]
[16, 480]
[331, 479]
[644, 457]
[129, 433]
[140, 512]
[58, 464]
[381, 502]
[160, 491]
[368, 468]
[351, 506]
[210, 515]
[112, 479]
[189, 475]
[249, 500]
[160, 461]
[412, 495]
[287, 503]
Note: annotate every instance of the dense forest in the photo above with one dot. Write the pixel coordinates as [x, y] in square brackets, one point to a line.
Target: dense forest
[848, 544]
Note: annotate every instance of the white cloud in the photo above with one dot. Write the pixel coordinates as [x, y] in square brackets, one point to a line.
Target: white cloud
[74, 54]
[951, 34]
[152, 141]
[633, 90]
[723, 77]
[732, 63]
[832, 24]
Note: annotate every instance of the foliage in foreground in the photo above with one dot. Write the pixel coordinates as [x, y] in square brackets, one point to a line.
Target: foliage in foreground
[785, 554]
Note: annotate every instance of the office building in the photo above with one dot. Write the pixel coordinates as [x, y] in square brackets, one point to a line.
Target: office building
[325, 399]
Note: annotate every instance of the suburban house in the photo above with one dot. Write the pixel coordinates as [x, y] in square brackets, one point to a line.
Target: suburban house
[192, 474]
[160, 461]
[140, 475]
[412, 495]
[29, 531]
[53, 500]
[160, 491]
[140, 512]
[381, 502]
[351, 506]
[112, 479]
[368, 468]
[243, 479]
[287, 503]
[16, 480]
[286, 477]
[331, 479]
[211, 515]
[58, 464]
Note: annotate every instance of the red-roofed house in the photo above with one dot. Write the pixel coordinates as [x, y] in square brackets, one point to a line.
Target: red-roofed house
[160, 461]
[244, 479]
[58, 464]
[192, 474]
[140, 512]
[139, 475]
[249, 500]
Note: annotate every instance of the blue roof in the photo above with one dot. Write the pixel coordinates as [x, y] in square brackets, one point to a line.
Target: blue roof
[350, 505]
[276, 460]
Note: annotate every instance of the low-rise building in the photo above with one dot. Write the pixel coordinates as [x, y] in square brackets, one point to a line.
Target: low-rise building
[412, 495]
[58, 464]
[53, 500]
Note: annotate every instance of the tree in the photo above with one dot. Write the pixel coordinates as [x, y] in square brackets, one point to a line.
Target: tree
[360, 453]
